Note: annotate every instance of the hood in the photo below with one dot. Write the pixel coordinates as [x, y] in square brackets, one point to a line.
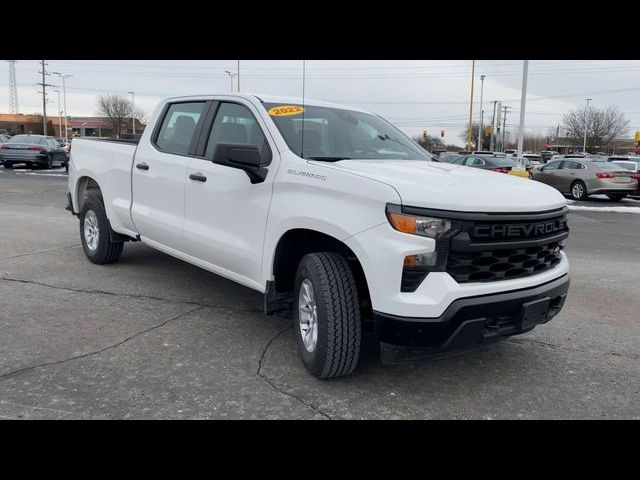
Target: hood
[454, 187]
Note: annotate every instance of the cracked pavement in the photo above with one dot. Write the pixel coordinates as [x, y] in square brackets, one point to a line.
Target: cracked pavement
[153, 337]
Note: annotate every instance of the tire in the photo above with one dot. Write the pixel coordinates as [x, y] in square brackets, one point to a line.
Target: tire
[99, 248]
[8, 165]
[578, 190]
[66, 167]
[49, 164]
[616, 197]
[337, 315]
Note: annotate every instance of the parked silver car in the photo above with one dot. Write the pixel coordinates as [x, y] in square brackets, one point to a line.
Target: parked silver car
[581, 178]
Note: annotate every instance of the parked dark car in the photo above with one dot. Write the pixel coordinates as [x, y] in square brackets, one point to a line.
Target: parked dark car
[492, 162]
[547, 154]
[581, 178]
[32, 150]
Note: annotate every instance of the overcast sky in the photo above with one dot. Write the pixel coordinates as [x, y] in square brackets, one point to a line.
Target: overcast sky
[414, 95]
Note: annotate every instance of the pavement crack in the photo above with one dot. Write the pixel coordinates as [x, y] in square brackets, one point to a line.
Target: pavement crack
[554, 346]
[6, 376]
[40, 252]
[281, 390]
[106, 292]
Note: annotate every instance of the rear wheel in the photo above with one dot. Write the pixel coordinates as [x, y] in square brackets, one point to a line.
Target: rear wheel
[328, 326]
[8, 165]
[49, 163]
[578, 190]
[95, 232]
[616, 197]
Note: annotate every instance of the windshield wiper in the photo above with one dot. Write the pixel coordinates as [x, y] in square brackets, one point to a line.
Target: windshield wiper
[328, 159]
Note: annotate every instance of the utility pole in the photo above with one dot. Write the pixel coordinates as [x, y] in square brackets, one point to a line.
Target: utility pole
[481, 113]
[13, 88]
[469, 136]
[44, 97]
[586, 125]
[493, 125]
[523, 103]
[44, 86]
[64, 101]
[504, 124]
[238, 76]
[133, 106]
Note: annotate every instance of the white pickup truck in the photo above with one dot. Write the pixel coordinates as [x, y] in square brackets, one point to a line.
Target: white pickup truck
[335, 214]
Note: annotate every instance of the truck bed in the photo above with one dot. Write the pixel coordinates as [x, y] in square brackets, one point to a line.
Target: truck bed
[110, 163]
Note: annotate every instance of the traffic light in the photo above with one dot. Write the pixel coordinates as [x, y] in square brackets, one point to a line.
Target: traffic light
[442, 133]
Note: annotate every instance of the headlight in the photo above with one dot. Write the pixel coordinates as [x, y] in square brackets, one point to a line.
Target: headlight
[431, 227]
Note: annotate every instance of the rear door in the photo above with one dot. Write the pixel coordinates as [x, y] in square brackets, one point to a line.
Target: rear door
[225, 214]
[159, 173]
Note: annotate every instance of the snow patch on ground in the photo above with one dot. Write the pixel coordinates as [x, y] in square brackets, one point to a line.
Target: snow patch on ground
[635, 210]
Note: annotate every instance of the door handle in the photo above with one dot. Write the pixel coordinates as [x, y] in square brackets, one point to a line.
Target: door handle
[198, 177]
[142, 166]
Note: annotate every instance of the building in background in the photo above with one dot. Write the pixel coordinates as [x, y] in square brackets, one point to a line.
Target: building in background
[78, 126]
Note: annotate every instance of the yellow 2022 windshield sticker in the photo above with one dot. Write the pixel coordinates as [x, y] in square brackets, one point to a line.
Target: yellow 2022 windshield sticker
[285, 110]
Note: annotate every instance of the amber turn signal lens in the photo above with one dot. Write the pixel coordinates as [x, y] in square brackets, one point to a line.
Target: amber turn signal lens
[402, 222]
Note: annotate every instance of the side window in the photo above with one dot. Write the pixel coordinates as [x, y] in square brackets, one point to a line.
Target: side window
[178, 127]
[551, 166]
[474, 162]
[235, 123]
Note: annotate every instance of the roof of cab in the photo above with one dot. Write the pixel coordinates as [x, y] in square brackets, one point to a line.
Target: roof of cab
[270, 99]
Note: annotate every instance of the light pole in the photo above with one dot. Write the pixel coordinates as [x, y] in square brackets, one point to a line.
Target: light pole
[59, 114]
[523, 103]
[238, 76]
[133, 106]
[231, 75]
[586, 125]
[469, 136]
[480, 122]
[493, 125]
[64, 102]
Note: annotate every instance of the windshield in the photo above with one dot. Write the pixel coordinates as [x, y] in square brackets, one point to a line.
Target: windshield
[333, 134]
[32, 139]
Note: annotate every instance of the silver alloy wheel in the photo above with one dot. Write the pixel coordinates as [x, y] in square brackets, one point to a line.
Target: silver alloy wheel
[578, 190]
[308, 315]
[91, 231]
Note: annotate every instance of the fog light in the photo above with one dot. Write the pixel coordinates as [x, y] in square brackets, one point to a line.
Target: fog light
[428, 259]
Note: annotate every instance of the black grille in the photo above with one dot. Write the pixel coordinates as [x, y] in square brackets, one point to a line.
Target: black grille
[485, 266]
[500, 247]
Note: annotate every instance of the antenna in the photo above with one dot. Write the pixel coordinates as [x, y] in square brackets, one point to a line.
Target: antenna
[13, 88]
[304, 77]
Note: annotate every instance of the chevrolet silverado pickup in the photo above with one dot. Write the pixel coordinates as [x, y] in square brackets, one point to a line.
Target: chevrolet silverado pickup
[334, 215]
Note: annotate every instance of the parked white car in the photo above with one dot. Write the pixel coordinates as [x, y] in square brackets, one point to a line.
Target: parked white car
[333, 213]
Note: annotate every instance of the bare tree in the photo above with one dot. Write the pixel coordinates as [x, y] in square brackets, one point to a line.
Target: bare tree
[486, 136]
[118, 110]
[603, 126]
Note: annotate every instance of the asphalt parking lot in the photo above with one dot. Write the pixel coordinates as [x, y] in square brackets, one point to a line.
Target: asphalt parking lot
[153, 337]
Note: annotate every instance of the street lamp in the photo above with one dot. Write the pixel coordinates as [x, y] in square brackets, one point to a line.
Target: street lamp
[64, 96]
[59, 114]
[586, 125]
[523, 104]
[133, 105]
[231, 75]
[481, 115]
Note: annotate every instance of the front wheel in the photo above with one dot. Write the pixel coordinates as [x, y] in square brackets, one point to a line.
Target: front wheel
[578, 190]
[328, 326]
[95, 233]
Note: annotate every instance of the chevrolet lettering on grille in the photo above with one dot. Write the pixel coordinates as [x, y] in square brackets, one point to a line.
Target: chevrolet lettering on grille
[527, 230]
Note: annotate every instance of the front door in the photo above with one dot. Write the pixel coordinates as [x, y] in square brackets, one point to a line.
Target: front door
[225, 214]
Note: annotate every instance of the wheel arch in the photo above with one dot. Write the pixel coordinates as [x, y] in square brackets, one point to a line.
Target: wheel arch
[295, 244]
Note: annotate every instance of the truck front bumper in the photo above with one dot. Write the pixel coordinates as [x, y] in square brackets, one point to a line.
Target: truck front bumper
[470, 321]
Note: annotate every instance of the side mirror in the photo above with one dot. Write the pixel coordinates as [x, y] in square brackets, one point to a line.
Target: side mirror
[242, 156]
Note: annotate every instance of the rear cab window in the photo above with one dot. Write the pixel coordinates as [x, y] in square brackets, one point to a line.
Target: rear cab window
[178, 127]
